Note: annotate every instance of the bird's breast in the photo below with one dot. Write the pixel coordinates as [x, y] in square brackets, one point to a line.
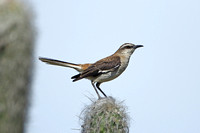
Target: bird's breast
[124, 63]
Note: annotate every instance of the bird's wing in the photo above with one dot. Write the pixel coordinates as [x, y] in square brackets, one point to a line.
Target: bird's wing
[105, 65]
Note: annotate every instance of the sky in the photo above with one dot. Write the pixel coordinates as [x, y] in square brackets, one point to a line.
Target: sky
[161, 85]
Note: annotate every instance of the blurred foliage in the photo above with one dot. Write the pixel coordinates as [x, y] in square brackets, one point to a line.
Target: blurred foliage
[105, 116]
[16, 53]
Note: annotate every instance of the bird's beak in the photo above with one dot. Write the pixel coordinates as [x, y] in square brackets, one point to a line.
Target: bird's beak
[138, 46]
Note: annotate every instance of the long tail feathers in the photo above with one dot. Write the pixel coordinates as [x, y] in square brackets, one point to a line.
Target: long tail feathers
[60, 63]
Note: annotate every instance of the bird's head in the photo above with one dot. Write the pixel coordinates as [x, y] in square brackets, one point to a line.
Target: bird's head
[128, 48]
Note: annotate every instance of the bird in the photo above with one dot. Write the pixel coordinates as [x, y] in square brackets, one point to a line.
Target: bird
[102, 70]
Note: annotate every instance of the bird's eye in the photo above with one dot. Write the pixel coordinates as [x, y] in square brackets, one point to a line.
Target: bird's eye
[128, 47]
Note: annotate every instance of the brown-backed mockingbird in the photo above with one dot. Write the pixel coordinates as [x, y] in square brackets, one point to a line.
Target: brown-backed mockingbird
[103, 70]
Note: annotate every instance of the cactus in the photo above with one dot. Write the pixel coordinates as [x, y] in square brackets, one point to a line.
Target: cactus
[16, 50]
[105, 115]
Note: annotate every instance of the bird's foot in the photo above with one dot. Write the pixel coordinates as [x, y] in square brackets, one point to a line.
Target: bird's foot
[99, 97]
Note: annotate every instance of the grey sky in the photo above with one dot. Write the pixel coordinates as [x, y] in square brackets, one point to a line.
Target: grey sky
[161, 86]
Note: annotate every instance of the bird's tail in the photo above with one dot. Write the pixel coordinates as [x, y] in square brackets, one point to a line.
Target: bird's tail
[61, 63]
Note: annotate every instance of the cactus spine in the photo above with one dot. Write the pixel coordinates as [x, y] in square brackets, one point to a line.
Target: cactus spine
[105, 116]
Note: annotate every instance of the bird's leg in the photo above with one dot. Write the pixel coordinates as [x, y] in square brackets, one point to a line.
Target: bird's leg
[97, 85]
[99, 97]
